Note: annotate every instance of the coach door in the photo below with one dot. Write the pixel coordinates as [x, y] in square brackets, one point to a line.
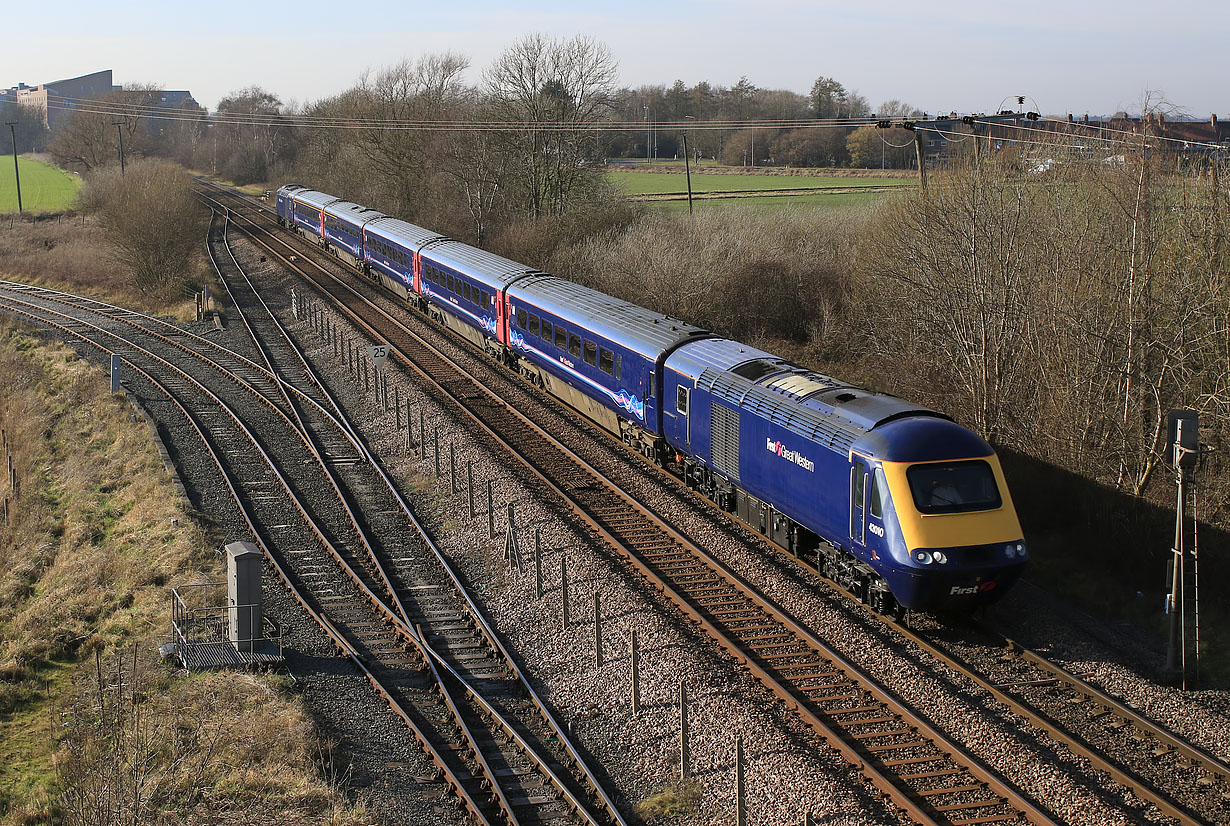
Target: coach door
[683, 399]
[858, 501]
[502, 307]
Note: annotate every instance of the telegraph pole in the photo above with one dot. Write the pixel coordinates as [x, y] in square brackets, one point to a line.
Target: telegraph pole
[12, 125]
[120, 131]
[687, 168]
[1183, 453]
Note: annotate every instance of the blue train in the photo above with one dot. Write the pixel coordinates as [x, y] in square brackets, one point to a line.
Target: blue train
[897, 503]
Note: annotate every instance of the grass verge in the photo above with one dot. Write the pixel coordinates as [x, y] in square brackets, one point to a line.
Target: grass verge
[85, 565]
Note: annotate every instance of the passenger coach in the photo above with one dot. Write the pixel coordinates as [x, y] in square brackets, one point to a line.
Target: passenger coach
[602, 355]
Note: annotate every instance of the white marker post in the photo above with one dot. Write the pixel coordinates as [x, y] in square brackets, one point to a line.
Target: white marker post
[379, 353]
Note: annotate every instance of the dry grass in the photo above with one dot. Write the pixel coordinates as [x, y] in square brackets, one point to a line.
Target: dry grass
[676, 800]
[66, 252]
[86, 565]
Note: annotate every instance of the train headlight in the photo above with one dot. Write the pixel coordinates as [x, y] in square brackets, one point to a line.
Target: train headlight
[940, 557]
[1010, 551]
[923, 557]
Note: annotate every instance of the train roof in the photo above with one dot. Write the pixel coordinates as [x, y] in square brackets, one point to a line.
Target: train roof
[356, 214]
[313, 198]
[409, 235]
[477, 263]
[811, 404]
[642, 331]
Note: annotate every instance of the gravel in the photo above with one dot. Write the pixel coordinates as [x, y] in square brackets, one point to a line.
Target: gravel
[788, 771]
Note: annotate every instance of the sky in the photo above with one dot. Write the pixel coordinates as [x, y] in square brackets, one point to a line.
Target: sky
[1079, 57]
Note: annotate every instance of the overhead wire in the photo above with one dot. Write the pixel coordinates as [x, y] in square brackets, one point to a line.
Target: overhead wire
[154, 111]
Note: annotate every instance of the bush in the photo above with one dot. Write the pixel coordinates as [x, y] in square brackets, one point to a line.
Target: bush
[153, 222]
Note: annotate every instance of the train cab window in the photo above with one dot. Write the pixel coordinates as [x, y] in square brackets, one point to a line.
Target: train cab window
[606, 362]
[561, 338]
[574, 345]
[523, 320]
[591, 354]
[878, 486]
[953, 487]
[681, 400]
[533, 328]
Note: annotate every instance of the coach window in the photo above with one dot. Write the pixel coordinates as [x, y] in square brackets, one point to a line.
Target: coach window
[466, 290]
[606, 362]
[546, 331]
[523, 320]
[561, 337]
[534, 324]
[591, 354]
[574, 345]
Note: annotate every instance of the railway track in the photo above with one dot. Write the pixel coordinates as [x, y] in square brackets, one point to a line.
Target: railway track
[1167, 758]
[914, 765]
[437, 663]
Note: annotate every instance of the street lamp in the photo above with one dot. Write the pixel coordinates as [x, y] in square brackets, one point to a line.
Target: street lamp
[12, 125]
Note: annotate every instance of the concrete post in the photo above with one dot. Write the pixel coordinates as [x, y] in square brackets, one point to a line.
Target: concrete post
[538, 562]
[636, 673]
[563, 592]
[684, 768]
[740, 786]
[243, 592]
[597, 630]
[115, 373]
[470, 485]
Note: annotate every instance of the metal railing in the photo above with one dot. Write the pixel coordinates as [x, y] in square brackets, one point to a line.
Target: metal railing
[202, 624]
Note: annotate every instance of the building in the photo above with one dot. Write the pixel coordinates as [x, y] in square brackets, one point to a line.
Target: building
[55, 100]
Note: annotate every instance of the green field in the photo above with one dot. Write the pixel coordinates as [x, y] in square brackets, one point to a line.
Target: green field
[44, 188]
[669, 190]
[836, 200]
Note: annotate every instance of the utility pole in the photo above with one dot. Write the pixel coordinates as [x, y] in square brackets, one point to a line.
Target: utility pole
[120, 131]
[12, 125]
[647, 140]
[1184, 451]
[687, 168]
[922, 162]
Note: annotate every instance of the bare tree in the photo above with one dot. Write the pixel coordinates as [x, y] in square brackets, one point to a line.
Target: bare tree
[90, 138]
[154, 223]
[251, 134]
[428, 89]
[553, 88]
